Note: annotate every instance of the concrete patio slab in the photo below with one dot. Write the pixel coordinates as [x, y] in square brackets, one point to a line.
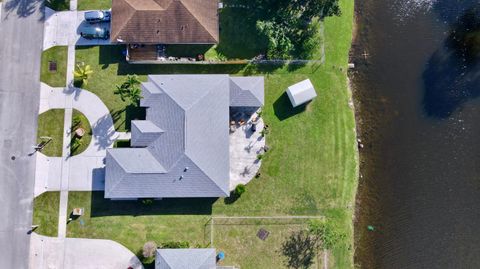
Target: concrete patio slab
[245, 145]
[56, 253]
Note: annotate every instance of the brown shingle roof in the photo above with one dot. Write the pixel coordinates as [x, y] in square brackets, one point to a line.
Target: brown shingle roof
[165, 21]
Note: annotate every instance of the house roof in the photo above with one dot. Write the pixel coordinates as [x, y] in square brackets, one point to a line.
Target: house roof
[165, 21]
[199, 258]
[301, 92]
[184, 141]
[246, 91]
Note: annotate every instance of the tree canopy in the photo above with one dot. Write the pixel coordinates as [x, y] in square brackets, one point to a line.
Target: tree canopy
[291, 26]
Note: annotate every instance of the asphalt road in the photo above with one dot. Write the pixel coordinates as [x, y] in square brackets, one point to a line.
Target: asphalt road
[21, 35]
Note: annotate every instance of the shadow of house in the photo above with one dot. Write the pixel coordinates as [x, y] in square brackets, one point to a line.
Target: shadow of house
[283, 108]
[101, 207]
[452, 75]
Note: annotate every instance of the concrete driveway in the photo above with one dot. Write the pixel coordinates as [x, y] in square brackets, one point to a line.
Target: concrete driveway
[63, 29]
[58, 253]
[86, 171]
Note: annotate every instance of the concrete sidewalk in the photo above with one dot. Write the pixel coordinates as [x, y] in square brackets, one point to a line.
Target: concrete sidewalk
[79, 253]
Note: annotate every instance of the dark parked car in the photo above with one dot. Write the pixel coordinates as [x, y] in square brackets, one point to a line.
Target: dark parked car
[95, 16]
[90, 32]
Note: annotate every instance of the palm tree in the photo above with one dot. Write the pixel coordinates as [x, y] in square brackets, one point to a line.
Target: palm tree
[135, 95]
[131, 81]
[82, 73]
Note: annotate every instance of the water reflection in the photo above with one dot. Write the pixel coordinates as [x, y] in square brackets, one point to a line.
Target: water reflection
[452, 75]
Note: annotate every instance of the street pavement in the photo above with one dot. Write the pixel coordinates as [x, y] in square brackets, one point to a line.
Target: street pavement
[21, 39]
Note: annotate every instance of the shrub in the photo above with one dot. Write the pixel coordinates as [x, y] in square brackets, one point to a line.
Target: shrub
[147, 201]
[148, 249]
[239, 190]
[175, 244]
[259, 156]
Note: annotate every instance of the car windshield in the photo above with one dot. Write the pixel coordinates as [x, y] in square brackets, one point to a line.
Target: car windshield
[94, 15]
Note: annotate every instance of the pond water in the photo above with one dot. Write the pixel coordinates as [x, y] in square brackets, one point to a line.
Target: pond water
[416, 84]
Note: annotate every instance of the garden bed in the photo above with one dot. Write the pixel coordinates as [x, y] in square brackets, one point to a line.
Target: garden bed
[80, 144]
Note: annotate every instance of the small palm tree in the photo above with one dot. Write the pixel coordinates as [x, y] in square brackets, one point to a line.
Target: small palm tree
[131, 81]
[122, 91]
[82, 73]
[135, 95]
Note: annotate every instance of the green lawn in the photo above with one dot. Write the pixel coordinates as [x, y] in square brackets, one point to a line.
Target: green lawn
[77, 148]
[311, 168]
[50, 124]
[94, 4]
[45, 214]
[57, 78]
[58, 5]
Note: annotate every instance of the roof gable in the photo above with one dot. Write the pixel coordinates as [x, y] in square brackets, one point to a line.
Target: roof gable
[185, 258]
[246, 91]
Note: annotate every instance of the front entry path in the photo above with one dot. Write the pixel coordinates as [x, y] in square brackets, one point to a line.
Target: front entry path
[79, 253]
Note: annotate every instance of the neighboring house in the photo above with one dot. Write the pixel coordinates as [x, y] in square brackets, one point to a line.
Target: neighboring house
[193, 258]
[182, 148]
[152, 22]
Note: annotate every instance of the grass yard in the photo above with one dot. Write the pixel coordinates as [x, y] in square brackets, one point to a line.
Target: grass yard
[80, 121]
[94, 4]
[311, 168]
[45, 214]
[50, 124]
[58, 5]
[56, 78]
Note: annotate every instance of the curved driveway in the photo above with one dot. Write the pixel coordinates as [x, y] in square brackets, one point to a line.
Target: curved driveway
[87, 171]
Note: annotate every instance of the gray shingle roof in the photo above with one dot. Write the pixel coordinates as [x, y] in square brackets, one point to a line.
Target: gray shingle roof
[200, 258]
[144, 132]
[246, 91]
[184, 139]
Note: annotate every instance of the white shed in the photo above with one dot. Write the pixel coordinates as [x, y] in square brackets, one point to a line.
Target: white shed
[301, 92]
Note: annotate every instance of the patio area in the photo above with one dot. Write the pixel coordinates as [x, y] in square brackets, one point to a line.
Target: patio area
[246, 143]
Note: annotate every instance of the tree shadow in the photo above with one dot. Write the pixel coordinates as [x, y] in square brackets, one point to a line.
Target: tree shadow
[452, 74]
[283, 108]
[101, 207]
[299, 249]
[24, 8]
[239, 37]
